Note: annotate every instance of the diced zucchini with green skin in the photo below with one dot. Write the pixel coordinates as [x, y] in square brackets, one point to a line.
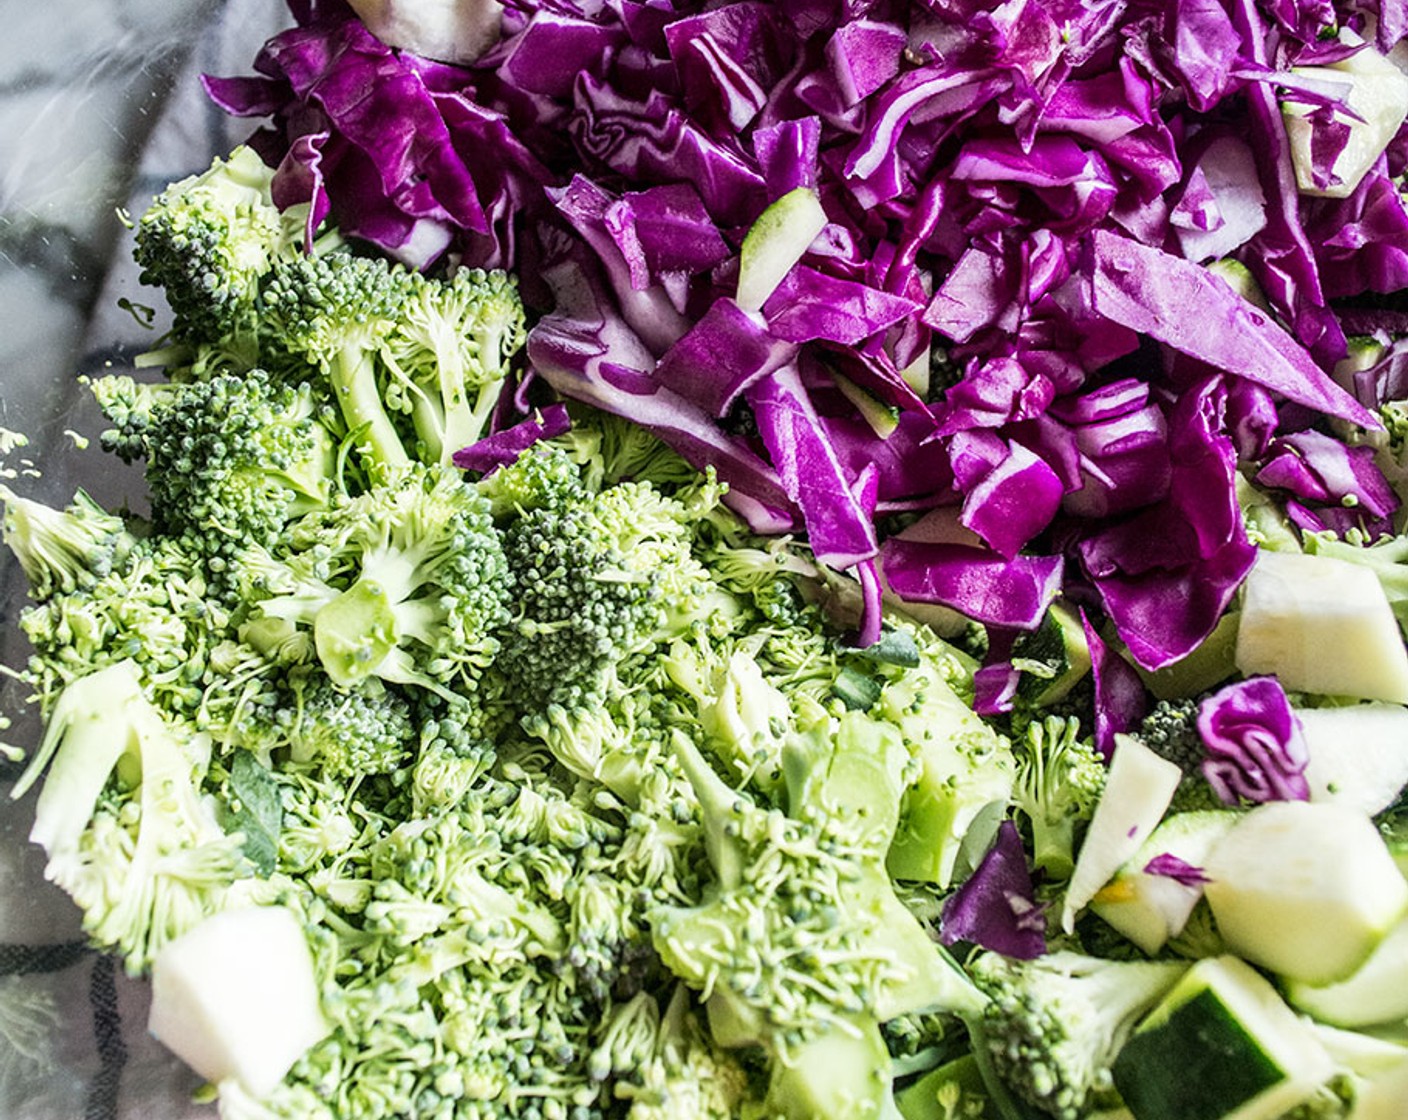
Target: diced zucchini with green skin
[1059, 646]
[1376, 992]
[779, 237]
[1136, 796]
[1358, 754]
[236, 997]
[1222, 1045]
[1321, 625]
[1149, 909]
[1304, 889]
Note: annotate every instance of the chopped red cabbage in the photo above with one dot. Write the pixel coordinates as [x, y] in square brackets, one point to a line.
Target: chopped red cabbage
[1021, 200]
[996, 907]
[1256, 748]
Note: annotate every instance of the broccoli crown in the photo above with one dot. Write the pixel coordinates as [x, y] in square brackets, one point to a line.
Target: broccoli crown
[207, 240]
[450, 354]
[364, 730]
[154, 609]
[406, 581]
[415, 364]
[1054, 1025]
[230, 460]
[596, 580]
[537, 479]
[1060, 777]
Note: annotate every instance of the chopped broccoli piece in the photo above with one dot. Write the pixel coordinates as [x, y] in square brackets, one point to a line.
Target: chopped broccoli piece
[208, 240]
[230, 460]
[1059, 780]
[597, 580]
[1053, 1025]
[406, 582]
[63, 551]
[122, 819]
[414, 364]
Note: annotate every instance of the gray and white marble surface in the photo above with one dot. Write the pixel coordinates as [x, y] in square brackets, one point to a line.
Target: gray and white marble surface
[100, 107]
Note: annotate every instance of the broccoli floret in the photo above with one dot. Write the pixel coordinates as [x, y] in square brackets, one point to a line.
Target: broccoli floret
[63, 551]
[543, 477]
[208, 240]
[1053, 1025]
[450, 354]
[595, 581]
[406, 582]
[122, 818]
[1059, 780]
[1170, 730]
[336, 313]
[231, 460]
[365, 730]
[666, 1065]
[414, 364]
[155, 609]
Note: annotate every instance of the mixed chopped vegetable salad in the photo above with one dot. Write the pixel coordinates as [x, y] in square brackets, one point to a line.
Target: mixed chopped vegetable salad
[818, 559]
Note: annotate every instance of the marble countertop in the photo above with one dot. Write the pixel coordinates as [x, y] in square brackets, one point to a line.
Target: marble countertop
[99, 108]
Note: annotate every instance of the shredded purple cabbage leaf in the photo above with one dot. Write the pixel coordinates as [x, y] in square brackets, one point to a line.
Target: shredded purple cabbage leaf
[1008, 313]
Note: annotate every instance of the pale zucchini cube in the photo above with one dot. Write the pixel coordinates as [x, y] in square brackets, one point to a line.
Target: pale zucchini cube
[1321, 625]
[1304, 889]
[236, 997]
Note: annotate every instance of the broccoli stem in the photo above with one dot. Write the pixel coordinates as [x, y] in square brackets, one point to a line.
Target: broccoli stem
[353, 378]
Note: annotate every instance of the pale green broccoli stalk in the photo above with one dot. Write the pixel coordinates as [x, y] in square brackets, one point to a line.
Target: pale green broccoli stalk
[208, 240]
[406, 582]
[450, 354]
[1053, 1026]
[122, 819]
[230, 460]
[336, 314]
[63, 551]
[1059, 780]
[967, 768]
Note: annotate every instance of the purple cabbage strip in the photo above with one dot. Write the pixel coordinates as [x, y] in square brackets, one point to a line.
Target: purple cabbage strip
[1256, 749]
[982, 584]
[1120, 700]
[506, 445]
[996, 907]
[1181, 871]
